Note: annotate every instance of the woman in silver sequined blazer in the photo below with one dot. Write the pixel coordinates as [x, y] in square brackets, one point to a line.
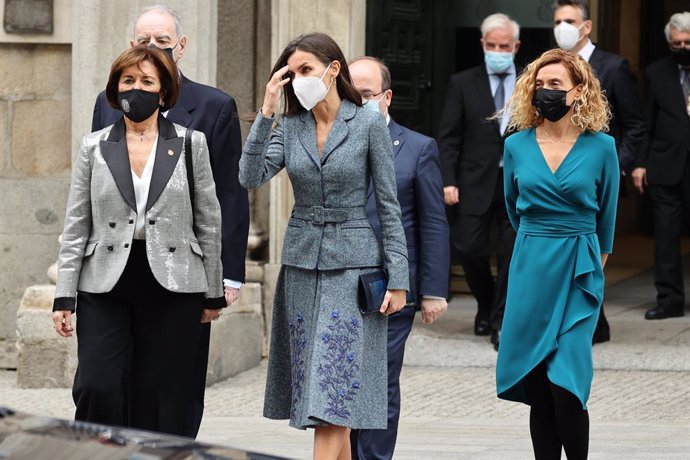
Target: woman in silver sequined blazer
[138, 260]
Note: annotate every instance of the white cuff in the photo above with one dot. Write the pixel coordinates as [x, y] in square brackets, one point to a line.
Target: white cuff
[232, 283]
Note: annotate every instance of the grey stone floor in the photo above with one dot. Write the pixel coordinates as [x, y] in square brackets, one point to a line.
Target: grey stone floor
[639, 408]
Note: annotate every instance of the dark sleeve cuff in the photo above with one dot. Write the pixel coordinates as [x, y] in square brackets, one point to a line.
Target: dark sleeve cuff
[215, 303]
[64, 303]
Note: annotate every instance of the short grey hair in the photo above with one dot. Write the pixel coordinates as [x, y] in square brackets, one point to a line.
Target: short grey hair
[680, 22]
[500, 21]
[161, 9]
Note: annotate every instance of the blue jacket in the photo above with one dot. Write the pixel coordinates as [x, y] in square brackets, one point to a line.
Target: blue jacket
[329, 229]
[420, 194]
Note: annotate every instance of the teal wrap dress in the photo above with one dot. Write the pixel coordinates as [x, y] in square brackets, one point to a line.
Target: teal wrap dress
[564, 221]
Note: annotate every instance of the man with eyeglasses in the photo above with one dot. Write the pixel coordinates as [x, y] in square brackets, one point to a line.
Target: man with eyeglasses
[471, 146]
[214, 113]
[420, 194]
[572, 27]
[664, 167]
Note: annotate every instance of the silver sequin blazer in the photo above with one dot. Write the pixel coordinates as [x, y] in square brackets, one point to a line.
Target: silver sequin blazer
[101, 212]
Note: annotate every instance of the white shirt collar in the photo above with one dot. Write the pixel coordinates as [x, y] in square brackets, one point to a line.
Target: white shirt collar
[587, 50]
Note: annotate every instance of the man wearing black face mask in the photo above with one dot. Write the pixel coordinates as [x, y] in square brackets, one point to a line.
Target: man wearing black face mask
[214, 113]
[664, 166]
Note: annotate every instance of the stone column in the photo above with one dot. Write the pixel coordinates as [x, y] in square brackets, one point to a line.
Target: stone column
[345, 21]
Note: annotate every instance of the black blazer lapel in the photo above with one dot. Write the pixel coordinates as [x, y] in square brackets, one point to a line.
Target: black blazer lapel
[481, 80]
[181, 113]
[675, 90]
[596, 61]
[167, 154]
[116, 156]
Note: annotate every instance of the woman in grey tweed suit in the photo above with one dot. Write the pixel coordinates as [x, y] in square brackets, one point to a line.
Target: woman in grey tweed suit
[138, 261]
[327, 362]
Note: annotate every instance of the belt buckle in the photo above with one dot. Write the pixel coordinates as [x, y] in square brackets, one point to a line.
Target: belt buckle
[317, 214]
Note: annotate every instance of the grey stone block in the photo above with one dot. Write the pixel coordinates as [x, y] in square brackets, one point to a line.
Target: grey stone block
[44, 359]
[41, 152]
[236, 342]
[25, 259]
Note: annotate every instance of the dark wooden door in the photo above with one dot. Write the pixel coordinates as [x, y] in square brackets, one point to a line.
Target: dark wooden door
[403, 33]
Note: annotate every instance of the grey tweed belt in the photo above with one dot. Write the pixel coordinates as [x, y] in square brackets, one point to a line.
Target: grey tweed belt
[321, 215]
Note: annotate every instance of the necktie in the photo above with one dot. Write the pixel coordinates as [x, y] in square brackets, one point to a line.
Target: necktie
[500, 95]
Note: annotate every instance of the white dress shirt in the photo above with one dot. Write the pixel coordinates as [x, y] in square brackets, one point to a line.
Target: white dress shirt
[141, 193]
[587, 50]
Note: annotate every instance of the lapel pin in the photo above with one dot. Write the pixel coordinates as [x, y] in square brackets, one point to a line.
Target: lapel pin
[171, 153]
[396, 142]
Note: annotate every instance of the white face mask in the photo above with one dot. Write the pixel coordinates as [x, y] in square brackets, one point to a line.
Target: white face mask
[311, 90]
[567, 35]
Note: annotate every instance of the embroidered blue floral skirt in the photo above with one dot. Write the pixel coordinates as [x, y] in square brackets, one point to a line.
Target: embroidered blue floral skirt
[327, 363]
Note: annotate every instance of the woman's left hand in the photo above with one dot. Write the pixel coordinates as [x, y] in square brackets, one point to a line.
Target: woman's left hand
[62, 320]
[393, 301]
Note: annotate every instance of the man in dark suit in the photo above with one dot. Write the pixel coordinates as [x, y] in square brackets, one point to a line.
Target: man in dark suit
[627, 126]
[664, 165]
[418, 177]
[471, 146]
[214, 113]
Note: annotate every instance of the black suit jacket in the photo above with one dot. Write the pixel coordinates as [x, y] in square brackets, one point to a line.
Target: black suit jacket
[470, 145]
[214, 113]
[627, 125]
[668, 142]
[420, 194]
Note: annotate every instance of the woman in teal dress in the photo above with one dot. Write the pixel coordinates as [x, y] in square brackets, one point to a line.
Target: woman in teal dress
[561, 187]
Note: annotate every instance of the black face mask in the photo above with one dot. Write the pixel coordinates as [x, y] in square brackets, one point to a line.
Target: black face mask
[682, 56]
[550, 103]
[168, 51]
[138, 104]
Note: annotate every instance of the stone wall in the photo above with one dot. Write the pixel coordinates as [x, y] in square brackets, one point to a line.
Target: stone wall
[35, 121]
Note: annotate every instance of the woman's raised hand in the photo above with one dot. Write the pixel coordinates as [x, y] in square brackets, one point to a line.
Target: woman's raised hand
[274, 88]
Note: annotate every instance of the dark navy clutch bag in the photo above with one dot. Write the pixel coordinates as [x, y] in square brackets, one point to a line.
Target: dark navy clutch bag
[372, 290]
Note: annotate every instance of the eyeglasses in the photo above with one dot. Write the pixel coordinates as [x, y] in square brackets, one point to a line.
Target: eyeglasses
[371, 97]
[680, 44]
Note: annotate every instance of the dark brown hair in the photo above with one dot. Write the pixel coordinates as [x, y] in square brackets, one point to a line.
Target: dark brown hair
[582, 5]
[165, 66]
[326, 50]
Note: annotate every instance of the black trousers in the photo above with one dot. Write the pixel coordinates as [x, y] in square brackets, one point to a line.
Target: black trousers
[470, 236]
[137, 346]
[200, 368]
[670, 205]
[380, 444]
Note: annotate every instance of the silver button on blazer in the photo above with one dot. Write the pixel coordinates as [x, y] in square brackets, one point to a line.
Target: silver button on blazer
[336, 182]
[101, 212]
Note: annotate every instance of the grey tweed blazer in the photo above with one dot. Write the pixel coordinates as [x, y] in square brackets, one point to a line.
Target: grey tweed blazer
[101, 212]
[357, 151]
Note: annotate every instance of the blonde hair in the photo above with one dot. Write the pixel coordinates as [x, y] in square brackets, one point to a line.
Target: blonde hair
[591, 109]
